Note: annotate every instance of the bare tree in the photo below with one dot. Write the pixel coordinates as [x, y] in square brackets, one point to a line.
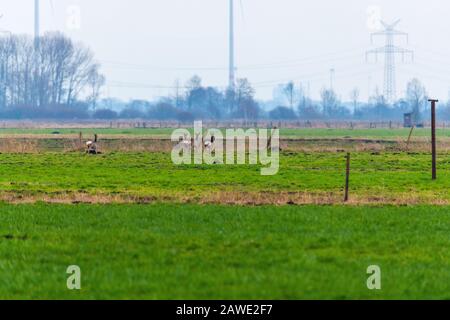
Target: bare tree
[329, 101]
[194, 83]
[291, 94]
[193, 86]
[177, 97]
[81, 67]
[245, 99]
[354, 96]
[416, 96]
[96, 82]
[59, 72]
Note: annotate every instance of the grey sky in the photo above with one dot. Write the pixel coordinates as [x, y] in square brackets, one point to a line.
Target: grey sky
[154, 42]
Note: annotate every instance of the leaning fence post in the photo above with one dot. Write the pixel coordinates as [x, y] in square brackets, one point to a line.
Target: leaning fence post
[347, 178]
[409, 137]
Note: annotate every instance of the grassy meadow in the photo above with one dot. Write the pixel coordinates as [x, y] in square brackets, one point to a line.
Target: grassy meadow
[381, 133]
[303, 178]
[142, 228]
[223, 252]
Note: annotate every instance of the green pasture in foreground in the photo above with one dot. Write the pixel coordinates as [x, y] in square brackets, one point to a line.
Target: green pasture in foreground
[153, 176]
[294, 133]
[215, 252]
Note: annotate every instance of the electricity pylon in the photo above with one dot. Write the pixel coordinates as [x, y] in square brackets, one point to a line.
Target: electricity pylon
[390, 50]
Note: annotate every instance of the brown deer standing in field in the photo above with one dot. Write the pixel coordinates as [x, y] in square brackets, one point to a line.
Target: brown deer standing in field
[209, 144]
[185, 142]
[91, 146]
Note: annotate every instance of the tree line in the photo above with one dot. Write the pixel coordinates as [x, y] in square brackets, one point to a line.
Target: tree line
[50, 75]
[291, 102]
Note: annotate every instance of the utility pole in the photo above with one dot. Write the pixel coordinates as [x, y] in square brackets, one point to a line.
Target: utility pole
[389, 51]
[231, 81]
[36, 24]
[433, 137]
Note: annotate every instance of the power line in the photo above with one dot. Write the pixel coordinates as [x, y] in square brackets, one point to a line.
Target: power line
[159, 68]
[136, 85]
[275, 65]
[319, 57]
[261, 84]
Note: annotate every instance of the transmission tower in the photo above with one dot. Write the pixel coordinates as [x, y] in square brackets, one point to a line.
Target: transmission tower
[390, 50]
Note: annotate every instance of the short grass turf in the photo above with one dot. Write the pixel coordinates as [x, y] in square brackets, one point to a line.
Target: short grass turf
[215, 252]
[382, 134]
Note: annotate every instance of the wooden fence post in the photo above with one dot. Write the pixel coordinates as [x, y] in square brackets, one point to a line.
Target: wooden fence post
[80, 140]
[433, 138]
[347, 177]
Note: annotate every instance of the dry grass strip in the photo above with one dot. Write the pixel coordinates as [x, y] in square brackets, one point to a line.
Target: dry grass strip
[226, 198]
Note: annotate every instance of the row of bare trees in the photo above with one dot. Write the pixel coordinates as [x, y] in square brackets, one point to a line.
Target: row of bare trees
[49, 72]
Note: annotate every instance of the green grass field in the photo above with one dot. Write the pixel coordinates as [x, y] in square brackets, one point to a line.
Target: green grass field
[215, 252]
[142, 228]
[384, 177]
[292, 133]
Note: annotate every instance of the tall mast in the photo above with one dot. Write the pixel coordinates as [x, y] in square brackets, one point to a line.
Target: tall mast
[231, 83]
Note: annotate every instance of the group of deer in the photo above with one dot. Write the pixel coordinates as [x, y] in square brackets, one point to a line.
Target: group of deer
[208, 144]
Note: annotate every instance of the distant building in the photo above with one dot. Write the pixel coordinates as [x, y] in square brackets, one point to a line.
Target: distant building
[408, 120]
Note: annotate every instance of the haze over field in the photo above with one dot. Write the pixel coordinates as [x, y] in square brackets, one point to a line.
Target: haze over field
[144, 46]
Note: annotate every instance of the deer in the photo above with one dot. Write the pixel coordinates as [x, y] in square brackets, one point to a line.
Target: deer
[91, 146]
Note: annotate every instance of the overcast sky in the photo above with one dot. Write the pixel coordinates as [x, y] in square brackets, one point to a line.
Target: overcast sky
[143, 44]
